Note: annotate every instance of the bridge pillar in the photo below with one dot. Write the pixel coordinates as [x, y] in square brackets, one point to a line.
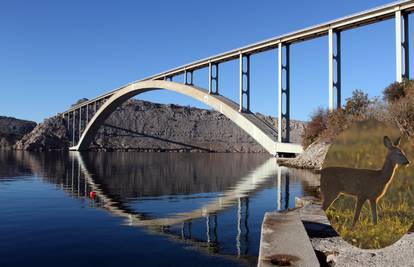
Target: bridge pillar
[244, 82]
[188, 77]
[401, 45]
[334, 69]
[87, 114]
[73, 127]
[80, 123]
[67, 118]
[213, 73]
[283, 90]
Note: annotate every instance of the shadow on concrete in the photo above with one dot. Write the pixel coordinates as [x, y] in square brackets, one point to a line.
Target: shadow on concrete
[319, 230]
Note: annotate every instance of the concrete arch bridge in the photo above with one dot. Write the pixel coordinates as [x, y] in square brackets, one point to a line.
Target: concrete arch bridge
[263, 133]
[84, 119]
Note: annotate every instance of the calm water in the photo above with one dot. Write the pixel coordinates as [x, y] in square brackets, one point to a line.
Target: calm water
[160, 209]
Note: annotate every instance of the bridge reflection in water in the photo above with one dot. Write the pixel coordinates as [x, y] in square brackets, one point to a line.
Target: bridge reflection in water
[202, 200]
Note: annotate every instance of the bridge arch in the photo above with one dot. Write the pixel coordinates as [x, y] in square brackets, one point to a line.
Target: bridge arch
[265, 135]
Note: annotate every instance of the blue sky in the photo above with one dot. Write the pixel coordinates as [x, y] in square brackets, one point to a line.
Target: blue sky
[53, 53]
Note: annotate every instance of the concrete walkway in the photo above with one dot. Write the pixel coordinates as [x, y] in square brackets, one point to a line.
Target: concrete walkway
[284, 241]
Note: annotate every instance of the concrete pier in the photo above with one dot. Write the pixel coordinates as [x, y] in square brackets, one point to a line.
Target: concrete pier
[284, 241]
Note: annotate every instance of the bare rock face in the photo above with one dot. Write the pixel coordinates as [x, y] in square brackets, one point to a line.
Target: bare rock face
[146, 126]
[12, 130]
[49, 135]
[311, 158]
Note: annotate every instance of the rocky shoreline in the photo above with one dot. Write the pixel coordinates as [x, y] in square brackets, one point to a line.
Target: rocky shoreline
[312, 157]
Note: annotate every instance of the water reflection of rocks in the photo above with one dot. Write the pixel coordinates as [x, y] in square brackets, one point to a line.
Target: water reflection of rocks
[138, 175]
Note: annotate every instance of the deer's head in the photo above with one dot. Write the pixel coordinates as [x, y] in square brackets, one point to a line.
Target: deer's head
[395, 154]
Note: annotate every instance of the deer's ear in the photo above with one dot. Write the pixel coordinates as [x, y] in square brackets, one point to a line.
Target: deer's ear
[397, 142]
[387, 142]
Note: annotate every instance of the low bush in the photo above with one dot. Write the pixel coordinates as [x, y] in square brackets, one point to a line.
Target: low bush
[402, 111]
[315, 127]
[396, 91]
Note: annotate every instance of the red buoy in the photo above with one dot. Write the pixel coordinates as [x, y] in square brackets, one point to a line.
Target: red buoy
[92, 195]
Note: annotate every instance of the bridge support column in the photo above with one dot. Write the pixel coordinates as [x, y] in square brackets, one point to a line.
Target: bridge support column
[67, 117]
[188, 77]
[334, 69]
[213, 73]
[283, 90]
[401, 45]
[73, 127]
[244, 82]
[87, 114]
[80, 123]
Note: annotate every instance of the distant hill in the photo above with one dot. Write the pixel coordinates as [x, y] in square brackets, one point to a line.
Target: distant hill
[12, 130]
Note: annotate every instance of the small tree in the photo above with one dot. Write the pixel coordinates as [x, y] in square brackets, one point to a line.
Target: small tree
[357, 104]
[393, 92]
[315, 127]
[397, 90]
[401, 106]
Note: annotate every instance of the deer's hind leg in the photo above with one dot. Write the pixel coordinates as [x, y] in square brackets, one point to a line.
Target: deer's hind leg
[328, 198]
[373, 203]
[358, 207]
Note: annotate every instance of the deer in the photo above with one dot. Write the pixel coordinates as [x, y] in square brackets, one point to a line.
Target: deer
[362, 184]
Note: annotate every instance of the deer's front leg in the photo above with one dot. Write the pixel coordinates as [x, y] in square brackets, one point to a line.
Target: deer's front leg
[358, 207]
[373, 203]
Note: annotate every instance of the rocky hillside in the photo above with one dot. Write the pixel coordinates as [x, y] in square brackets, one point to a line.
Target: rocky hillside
[145, 126]
[12, 130]
[141, 125]
[51, 134]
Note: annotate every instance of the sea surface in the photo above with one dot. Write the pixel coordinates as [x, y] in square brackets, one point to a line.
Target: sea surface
[140, 209]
